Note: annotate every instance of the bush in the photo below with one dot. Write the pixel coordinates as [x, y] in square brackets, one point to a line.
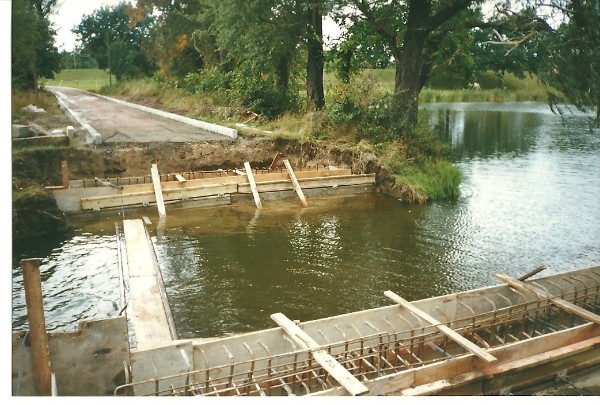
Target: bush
[210, 81]
[259, 93]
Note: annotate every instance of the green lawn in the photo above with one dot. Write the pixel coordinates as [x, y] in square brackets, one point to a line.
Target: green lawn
[85, 79]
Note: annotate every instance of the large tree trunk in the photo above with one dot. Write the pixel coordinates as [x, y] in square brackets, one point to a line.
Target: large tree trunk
[409, 66]
[316, 60]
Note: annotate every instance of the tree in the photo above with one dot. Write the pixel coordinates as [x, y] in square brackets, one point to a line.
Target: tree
[181, 38]
[108, 36]
[277, 28]
[33, 52]
[414, 31]
[559, 40]
[315, 63]
[573, 66]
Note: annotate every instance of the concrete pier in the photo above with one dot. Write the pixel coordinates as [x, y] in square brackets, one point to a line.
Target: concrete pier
[150, 322]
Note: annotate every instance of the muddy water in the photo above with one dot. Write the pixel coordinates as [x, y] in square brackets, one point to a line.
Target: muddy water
[531, 195]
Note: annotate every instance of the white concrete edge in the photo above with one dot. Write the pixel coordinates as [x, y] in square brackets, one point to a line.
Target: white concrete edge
[218, 129]
[94, 136]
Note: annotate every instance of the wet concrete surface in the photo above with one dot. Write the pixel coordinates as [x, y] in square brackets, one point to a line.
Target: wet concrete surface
[120, 123]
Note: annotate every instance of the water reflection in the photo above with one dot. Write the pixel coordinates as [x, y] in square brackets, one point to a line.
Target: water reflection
[487, 129]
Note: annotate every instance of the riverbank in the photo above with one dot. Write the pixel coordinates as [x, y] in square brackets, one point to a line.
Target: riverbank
[413, 172]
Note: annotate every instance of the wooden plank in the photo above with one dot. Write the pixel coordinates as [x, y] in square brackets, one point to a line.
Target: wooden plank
[295, 183]
[302, 174]
[324, 182]
[559, 302]
[176, 185]
[252, 185]
[467, 344]
[180, 178]
[335, 369]
[160, 204]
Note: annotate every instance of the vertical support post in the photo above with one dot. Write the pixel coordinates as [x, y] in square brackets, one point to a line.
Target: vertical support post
[64, 169]
[275, 161]
[252, 184]
[37, 326]
[288, 166]
[160, 203]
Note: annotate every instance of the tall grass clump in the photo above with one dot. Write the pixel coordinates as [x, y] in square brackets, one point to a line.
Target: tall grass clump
[421, 162]
[22, 98]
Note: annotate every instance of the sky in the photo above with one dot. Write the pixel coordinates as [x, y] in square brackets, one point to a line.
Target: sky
[69, 13]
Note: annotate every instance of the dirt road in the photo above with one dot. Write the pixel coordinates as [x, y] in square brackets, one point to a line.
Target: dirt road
[110, 121]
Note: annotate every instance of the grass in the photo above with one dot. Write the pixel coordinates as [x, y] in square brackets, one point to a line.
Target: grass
[419, 164]
[84, 79]
[41, 99]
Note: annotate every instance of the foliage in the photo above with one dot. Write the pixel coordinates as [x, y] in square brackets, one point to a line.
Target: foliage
[360, 48]
[77, 59]
[415, 32]
[108, 36]
[181, 40]
[573, 65]
[33, 53]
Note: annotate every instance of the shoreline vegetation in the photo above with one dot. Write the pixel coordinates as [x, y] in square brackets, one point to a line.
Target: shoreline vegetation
[420, 162]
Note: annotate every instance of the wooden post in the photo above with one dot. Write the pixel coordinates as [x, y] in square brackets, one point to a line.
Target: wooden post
[64, 168]
[288, 166]
[533, 272]
[160, 203]
[37, 326]
[275, 161]
[252, 184]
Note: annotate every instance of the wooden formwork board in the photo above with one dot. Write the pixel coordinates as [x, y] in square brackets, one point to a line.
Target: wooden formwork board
[148, 197]
[235, 179]
[177, 191]
[308, 183]
[210, 176]
[177, 185]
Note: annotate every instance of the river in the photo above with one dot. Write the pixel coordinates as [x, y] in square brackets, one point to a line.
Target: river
[530, 196]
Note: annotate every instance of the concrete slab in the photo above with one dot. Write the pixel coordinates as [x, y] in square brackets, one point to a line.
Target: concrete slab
[111, 120]
[149, 319]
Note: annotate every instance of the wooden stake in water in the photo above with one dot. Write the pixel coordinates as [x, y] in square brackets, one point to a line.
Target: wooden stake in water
[253, 185]
[295, 183]
[160, 203]
[40, 354]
